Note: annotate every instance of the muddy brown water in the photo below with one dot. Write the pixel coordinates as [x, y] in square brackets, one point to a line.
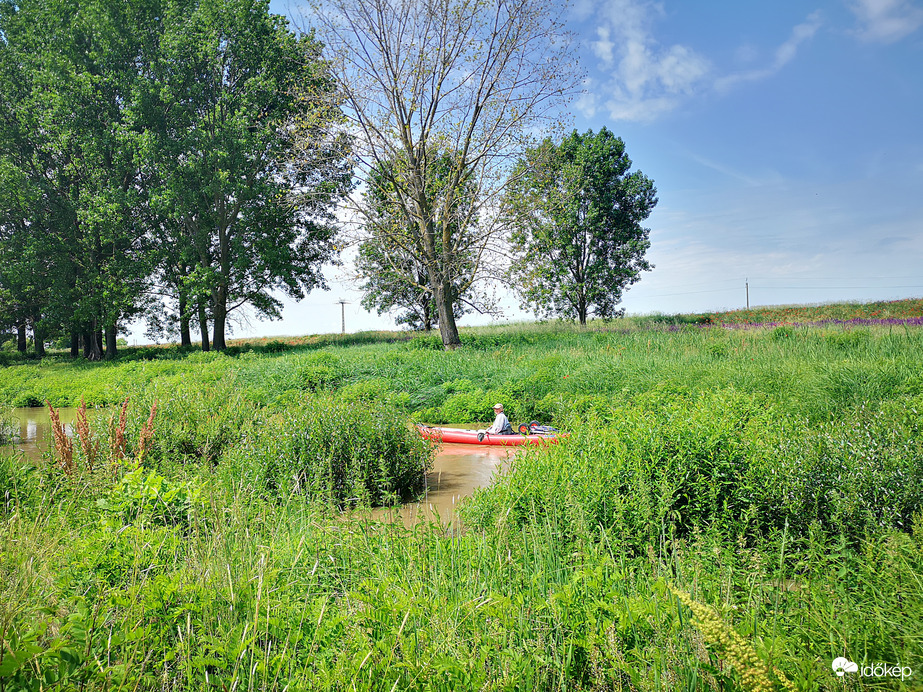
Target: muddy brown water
[32, 429]
[458, 470]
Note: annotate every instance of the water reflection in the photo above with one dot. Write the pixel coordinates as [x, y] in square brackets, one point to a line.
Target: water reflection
[32, 428]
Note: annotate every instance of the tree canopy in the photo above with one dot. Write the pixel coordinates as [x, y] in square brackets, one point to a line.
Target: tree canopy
[255, 167]
[390, 260]
[466, 76]
[181, 149]
[576, 211]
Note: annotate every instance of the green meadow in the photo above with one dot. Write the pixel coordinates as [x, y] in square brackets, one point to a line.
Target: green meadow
[733, 509]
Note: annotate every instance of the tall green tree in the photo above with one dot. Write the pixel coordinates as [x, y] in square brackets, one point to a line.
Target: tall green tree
[254, 162]
[70, 124]
[576, 211]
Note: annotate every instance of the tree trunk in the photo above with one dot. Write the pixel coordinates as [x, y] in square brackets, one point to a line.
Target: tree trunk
[22, 343]
[427, 314]
[112, 346]
[220, 319]
[75, 342]
[185, 338]
[447, 329]
[203, 324]
[38, 336]
[92, 349]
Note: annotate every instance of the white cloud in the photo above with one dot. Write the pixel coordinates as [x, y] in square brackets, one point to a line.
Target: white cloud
[604, 47]
[588, 101]
[646, 78]
[886, 21]
[784, 55]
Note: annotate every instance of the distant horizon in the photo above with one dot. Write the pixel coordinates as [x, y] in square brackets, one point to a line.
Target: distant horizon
[504, 323]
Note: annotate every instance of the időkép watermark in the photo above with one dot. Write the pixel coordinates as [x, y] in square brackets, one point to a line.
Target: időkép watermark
[841, 666]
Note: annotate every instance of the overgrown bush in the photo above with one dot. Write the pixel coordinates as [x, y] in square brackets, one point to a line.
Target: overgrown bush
[332, 451]
[320, 371]
[197, 418]
[721, 461]
[146, 497]
[276, 346]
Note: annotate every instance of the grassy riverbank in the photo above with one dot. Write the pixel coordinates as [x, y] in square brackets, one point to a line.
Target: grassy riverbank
[771, 479]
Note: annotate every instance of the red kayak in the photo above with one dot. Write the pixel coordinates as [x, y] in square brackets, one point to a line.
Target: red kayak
[470, 437]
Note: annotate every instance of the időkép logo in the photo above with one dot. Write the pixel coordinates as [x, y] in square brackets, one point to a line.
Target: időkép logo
[841, 666]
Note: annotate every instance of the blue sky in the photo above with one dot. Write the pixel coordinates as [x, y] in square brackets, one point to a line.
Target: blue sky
[784, 139]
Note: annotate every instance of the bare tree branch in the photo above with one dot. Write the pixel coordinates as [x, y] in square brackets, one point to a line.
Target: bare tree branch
[419, 78]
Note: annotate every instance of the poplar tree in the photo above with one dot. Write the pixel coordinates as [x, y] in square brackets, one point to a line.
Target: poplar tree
[472, 77]
[255, 159]
[576, 209]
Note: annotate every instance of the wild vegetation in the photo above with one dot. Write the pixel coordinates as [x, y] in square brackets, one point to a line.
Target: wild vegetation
[734, 509]
[169, 159]
[882, 311]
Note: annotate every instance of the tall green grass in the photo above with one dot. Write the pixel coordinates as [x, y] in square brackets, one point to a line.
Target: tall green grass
[773, 475]
[263, 596]
[539, 371]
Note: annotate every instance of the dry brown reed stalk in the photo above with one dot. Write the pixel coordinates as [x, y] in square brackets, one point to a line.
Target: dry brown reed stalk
[117, 434]
[64, 448]
[147, 434]
[85, 436]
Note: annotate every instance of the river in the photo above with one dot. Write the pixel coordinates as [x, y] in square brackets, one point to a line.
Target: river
[458, 470]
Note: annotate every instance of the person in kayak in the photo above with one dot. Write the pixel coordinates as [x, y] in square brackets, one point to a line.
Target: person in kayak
[501, 424]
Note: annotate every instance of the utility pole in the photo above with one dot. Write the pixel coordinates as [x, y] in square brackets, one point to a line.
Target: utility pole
[343, 304]
[747, 287]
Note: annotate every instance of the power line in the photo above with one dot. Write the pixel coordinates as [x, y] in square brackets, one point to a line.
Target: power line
[779, 288]
[824, 288]
[690, 293]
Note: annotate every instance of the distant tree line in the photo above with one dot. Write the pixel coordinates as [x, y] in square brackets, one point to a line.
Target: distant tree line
[177, 160]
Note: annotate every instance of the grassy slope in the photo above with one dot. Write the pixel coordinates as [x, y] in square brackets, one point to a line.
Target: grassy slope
[561, 580]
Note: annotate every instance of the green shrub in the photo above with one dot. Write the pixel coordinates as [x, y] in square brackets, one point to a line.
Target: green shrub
[717, 349]
[197, 419]
[721, 461]
[276, 346]
[367, 391]
[334, 451]
[145, 497]
[854, 476]
[322, 370]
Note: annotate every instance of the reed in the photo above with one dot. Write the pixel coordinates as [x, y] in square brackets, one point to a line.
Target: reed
[117, 434]
[84, 434]
[63, 446]
[147, 435]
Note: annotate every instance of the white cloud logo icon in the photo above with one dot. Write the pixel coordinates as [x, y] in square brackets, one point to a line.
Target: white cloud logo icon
[842, 665]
